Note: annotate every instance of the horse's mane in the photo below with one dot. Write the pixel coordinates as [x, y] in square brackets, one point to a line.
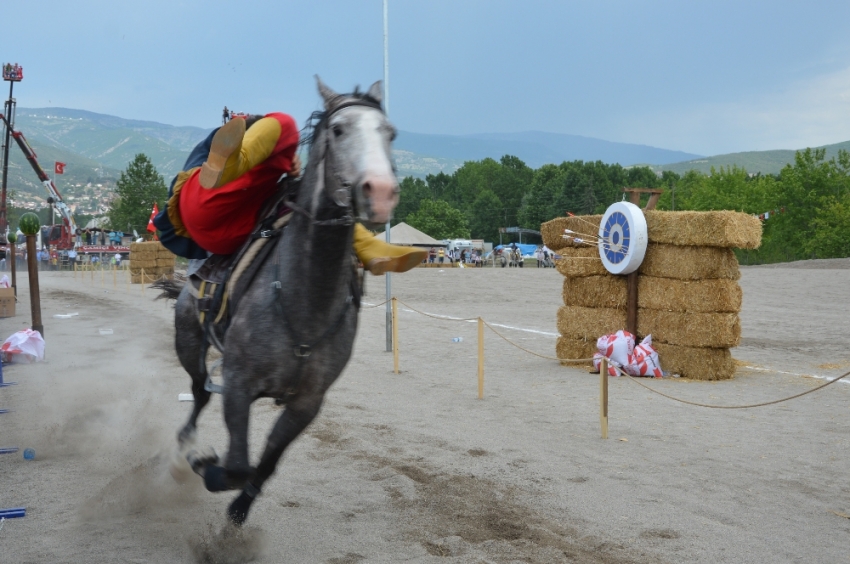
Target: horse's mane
[317, 118]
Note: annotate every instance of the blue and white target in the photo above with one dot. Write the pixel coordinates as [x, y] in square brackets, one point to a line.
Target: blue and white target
[622, 238]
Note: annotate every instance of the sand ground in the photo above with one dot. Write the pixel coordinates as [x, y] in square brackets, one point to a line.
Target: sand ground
[413, 467]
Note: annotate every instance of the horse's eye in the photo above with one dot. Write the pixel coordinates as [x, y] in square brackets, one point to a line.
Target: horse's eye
[337, 130]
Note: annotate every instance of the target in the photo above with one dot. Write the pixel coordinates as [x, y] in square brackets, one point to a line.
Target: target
[622, 238]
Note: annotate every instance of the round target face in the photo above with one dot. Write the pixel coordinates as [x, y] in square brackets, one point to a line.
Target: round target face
[622, 238]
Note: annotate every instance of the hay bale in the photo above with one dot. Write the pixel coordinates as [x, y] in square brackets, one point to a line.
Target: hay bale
[696, 363]
[553, 230]
[662, 261]
[712, 229]
[699, 296]
[714, 330]
[689, 262]
[589, 323]
[165, 253]
[596, 292]
[168, 261]
[143, 255]
[146, 246]
[580, 261]
[665, 294]
[146, 264]
[567, 347]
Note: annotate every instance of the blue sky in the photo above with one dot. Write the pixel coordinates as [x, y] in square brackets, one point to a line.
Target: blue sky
[706, 77]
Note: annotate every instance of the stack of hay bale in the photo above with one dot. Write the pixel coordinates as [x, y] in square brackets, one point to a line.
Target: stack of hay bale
[688, 295]
[152, 259]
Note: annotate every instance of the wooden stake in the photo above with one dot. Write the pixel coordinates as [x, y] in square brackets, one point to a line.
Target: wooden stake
[395, 335]
[480, 358]
[114, 277]
[603, 396]
[35, 299]
[143, 281]
[101, 276]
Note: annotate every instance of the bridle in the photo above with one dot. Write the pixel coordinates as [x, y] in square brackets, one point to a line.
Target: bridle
[342, 196]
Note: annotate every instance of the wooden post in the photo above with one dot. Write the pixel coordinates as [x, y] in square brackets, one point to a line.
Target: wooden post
[114, 277]
[395, 335]
[143, 281]
[14, 268]
[101, 276]
[632, 303]
[603, 396]
[75, 270]
[35, 301]
[480, 358]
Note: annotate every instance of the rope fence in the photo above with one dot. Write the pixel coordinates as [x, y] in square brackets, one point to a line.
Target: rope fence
[604, 364]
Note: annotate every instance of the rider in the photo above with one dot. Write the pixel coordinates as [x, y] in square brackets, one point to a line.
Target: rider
[215, 200]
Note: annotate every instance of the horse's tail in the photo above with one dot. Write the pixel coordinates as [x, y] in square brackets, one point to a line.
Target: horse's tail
[170, 288]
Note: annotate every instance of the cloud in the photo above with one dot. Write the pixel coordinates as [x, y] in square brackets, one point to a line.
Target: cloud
[807, 113]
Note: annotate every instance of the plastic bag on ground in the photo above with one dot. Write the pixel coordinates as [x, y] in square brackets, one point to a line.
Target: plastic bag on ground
[620, 349]
[25, 347]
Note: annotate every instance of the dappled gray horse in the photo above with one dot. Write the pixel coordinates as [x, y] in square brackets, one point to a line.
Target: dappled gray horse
[293, 329]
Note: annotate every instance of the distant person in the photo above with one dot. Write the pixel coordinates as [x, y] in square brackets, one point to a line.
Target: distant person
[441, 254]
[72, 258]
[225, 117]
[118, 260]
[432, 254]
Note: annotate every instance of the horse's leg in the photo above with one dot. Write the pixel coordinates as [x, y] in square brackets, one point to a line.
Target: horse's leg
[192, 352]
[236, 470]
[297, 416]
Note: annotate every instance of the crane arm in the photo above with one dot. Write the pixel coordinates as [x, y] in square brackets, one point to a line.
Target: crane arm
[29, 153]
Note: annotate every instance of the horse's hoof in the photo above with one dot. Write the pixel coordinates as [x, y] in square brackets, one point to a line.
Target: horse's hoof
[237, 512]
[198, 459]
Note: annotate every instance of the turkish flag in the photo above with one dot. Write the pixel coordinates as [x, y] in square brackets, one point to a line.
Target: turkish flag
[59, 168]
[151, 227]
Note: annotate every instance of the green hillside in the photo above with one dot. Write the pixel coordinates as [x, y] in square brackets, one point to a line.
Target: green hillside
[765, 162]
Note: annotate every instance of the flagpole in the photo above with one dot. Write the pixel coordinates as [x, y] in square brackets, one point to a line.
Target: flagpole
[389, 321]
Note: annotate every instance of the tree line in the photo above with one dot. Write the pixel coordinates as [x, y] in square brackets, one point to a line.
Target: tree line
[805, 208]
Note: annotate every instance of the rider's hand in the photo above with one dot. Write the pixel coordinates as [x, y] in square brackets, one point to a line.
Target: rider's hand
[295, 171]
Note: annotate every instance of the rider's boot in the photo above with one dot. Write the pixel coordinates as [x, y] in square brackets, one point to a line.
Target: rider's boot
[234, 151]
[379, 256]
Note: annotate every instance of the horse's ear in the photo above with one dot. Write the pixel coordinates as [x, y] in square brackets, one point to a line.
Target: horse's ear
[376, 91]
[328, 95]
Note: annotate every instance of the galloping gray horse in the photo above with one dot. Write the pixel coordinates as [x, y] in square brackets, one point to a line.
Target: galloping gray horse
[293, 329]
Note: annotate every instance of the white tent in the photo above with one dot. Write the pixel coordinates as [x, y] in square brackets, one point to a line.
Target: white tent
[403, 234]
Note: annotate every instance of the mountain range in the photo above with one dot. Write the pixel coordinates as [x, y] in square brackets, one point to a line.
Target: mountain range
[96, 147]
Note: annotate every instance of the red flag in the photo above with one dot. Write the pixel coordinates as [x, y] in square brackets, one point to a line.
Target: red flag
[151, 226]
[59, 168]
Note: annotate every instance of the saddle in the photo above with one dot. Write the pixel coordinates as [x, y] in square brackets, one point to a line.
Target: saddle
[219, 283]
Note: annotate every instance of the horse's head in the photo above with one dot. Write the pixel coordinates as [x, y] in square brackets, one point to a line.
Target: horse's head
[358, 138]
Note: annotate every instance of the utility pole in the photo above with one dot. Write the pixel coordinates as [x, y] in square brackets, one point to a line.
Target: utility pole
[12, 74]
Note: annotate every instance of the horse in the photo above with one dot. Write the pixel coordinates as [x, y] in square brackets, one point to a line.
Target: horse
[292, 330]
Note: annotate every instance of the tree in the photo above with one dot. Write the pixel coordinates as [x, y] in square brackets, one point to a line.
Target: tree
[439, 220]
[486, 216]
[413, 191]
[138, 188]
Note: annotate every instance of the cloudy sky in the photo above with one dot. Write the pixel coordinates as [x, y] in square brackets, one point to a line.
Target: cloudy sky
[705, 77]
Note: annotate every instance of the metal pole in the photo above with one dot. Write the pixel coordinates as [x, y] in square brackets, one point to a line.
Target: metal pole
[3, 222]
[387, 226]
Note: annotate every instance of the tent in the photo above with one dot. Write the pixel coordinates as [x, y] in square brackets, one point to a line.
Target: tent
[403, 234]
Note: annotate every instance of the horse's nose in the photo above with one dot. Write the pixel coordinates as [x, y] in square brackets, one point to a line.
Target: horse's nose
[382, 194]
